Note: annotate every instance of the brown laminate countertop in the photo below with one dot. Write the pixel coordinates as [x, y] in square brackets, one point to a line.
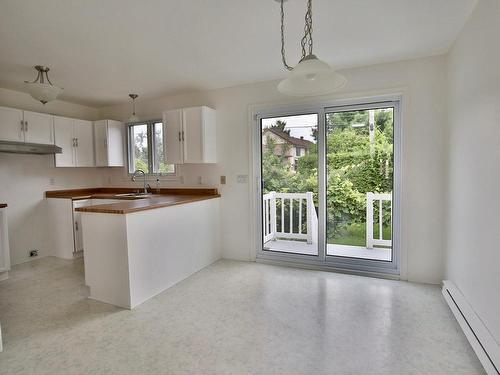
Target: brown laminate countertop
[160, 198]
[3, 205]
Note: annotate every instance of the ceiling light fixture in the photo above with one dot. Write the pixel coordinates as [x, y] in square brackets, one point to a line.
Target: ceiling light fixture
[133, 118]
[41, 88]
[311, 76]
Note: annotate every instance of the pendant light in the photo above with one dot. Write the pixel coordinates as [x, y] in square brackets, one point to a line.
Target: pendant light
[41, 88]
[311, 76]
[133, 118]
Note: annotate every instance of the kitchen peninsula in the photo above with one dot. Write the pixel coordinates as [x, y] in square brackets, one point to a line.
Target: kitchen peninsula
[139, 245]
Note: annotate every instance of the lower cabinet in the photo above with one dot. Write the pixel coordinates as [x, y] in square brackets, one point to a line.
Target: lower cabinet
[66, 226]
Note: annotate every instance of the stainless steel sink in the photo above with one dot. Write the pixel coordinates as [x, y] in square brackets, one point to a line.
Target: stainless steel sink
[134, 195]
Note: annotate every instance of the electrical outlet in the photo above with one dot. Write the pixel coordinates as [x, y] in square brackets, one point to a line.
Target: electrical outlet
[222, 180]
[33, 253]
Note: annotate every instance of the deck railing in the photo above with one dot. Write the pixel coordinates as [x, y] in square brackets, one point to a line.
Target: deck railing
[293, 216]
[370, 199]
[290, 216]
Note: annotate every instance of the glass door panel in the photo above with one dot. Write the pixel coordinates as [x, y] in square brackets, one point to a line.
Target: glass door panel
[359, 183]
[289, 170]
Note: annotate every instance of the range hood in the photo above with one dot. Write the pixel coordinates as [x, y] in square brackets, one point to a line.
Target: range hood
[29, 148]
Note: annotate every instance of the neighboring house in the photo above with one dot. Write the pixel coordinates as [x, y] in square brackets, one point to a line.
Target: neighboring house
[288, 147]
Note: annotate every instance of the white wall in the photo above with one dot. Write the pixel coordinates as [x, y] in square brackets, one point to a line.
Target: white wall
[473, 256]
[25, 178]
[423, 84]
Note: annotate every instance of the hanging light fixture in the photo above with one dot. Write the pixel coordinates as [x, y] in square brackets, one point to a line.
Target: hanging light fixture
[311, 76]
[41, 88]
[133, 117]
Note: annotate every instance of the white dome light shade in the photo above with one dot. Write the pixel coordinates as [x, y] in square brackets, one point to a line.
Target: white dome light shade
[133, 118]
[43, 92]
[311, 77]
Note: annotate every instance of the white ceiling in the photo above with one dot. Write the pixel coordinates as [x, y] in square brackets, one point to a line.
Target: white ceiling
[101, 50]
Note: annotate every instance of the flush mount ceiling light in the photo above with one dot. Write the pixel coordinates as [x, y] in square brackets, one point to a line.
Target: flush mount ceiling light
[133, 118]
[311, 76]
[41, 88]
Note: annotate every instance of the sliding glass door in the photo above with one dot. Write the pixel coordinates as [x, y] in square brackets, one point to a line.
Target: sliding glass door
[289, 155]
[327, 193]
[359, 182]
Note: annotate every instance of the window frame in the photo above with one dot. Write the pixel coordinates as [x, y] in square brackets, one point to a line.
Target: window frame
[151, 147]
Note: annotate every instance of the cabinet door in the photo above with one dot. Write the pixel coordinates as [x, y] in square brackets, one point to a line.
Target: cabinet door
[172, 135]
[11, 124]
[193, 135]
[38, 127]
[85, 143]
[101, 143]
[77, 223]
[64, 138]
[115, 144]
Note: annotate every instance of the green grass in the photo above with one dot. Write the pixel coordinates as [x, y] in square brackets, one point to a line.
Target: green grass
[355, 235]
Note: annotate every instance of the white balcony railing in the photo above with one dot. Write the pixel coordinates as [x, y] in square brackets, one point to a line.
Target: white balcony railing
[370, 199]
[290, 216]
[293, 216]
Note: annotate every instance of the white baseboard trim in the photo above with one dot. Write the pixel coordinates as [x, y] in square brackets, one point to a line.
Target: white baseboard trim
[480, 338]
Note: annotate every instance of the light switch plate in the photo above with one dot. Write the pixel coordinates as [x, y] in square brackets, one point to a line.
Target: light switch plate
[242, 178]
[222, 180]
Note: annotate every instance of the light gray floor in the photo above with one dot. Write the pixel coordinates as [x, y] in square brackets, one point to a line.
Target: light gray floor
[230, 318]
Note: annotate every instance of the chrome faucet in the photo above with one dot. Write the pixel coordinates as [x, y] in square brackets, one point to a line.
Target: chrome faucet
[144, 176]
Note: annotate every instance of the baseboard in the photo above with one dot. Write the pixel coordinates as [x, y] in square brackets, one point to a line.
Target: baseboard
[480, 338]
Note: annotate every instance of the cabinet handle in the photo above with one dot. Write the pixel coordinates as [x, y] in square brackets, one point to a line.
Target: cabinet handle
[22, 129]
[76, 225]
[76, 139]
[179, 136]
[183, 135]
[74, 144]
[26, 125]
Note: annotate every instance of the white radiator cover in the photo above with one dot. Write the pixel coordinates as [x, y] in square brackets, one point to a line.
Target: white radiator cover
[480, 338]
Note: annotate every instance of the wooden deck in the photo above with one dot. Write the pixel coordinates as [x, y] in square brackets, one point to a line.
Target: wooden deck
[302, 247]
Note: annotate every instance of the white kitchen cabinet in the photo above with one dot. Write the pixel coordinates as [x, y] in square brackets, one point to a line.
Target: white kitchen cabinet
[65, 138]
[76, 138]
[26, 126]
[4, 245]
[84, 134]
[190, 135]
[38, 128]
[77, 224]
[109, 137]
[11, 124]
[66, 226]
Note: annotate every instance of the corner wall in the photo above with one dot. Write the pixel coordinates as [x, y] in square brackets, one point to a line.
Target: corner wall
[473, 205]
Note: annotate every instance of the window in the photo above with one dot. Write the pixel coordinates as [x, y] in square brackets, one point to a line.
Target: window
[145, 149]
[297, 151]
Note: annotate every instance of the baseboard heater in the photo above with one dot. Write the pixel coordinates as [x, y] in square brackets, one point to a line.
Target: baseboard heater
[480, 338]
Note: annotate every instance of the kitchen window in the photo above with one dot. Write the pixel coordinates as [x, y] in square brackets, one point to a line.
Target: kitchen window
[145, 149]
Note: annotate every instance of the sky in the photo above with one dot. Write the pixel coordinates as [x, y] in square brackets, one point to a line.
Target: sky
[300, 126]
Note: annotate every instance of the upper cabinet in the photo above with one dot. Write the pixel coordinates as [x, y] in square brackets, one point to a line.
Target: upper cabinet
[190, 135]
[109, 138]
[76, 138]
[38, 128]
[11, 124]
[26, 126]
